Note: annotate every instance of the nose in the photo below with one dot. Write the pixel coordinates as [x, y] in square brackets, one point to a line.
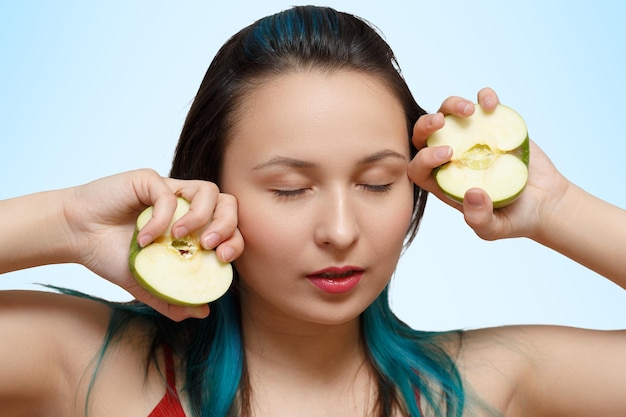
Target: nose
[337, 221]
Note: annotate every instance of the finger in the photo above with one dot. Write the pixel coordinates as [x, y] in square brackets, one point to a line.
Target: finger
[420, 171]
[478, 213]
[157, 225]
[223, 224]
[231, 248]
[203, 199]
[153, 191]
[488, 99]
[457, 106]
[425, 126]
[421, 166]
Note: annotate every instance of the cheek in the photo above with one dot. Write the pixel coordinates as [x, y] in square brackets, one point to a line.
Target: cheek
[394, 230]
[395, 216]
[268, 239]
[390, 236]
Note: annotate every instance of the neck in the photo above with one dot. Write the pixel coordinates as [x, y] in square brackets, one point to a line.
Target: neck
[295, 364]
[300, 346]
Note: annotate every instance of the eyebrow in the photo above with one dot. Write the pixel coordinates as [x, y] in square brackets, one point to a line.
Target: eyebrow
[299, 163]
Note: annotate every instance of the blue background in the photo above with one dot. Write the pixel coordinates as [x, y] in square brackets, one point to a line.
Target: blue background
[89, 89]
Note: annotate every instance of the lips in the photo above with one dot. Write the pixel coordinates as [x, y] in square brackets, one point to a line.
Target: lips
[333, 275]
[336, 280]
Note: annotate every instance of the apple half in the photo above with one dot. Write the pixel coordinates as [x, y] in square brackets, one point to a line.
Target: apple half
[490, 150]
[178, 271]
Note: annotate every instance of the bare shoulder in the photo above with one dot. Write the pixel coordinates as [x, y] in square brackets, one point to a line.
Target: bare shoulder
[36, 302]
[45, 337]
[49, 347]
[33, 315]
[50, 353]
[29, 316]
[544, 370]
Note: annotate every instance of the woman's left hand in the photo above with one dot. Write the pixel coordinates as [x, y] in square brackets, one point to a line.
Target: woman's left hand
[524, 217]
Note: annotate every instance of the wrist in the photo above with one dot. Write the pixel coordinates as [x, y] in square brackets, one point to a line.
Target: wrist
[556, 218]
[587, 230]
[35, 232]
[69, 230]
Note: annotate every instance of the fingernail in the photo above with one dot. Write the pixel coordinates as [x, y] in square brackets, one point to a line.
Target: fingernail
[180, 231]
[474, 199]
[442, 153]
[144, 240]
[211, 240]
[434, 119]
[227, 254]
[465, 108]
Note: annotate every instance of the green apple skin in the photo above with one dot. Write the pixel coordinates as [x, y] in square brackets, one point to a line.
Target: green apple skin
[520, 152]
[178, 271]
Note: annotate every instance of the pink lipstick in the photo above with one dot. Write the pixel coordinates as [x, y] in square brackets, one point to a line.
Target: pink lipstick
[336, 280]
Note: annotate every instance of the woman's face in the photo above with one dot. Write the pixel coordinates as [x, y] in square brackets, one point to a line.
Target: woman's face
[318, 165]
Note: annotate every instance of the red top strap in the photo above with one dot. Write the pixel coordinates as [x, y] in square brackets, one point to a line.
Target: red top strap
[170, 405]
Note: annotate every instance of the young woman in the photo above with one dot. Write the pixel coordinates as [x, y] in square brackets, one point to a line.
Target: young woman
[303, 144]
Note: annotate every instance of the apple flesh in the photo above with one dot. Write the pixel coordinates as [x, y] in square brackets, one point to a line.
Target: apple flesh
[179, 271]
[490, 150]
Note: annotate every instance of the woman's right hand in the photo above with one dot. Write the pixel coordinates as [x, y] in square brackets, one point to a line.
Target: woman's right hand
[551, 210]
[100, 220]
[527, 217]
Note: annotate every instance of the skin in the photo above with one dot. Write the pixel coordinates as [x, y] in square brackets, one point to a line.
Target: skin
[337, 144]
[312, 345]
[336, 160]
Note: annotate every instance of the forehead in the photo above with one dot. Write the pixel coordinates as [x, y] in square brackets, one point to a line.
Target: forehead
[317, 111]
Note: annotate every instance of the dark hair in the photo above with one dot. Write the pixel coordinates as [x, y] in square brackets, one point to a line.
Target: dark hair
[408, 364]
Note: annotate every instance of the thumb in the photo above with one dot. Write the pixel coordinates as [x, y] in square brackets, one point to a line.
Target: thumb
[478, 213]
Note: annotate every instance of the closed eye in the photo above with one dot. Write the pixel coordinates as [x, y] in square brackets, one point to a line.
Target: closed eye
[376, 188]
[290, 193]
